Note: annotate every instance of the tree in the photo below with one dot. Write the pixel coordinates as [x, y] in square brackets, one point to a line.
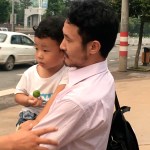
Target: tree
[57, 7]
[19, 9]
[143, 20]
[137, 8]
[142, 10]
[19, 12]
[4, 11]
[25, 3]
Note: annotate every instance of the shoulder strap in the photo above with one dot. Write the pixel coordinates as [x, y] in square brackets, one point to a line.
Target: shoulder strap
[117, 105]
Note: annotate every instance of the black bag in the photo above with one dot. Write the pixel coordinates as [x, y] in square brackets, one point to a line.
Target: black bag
[122, 136]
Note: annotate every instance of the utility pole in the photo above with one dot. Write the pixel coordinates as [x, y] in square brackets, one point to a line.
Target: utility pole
[123, 50]
[40, 7]
[12, 17]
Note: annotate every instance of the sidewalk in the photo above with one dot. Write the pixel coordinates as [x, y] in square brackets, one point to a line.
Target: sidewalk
[133, 89]
[135, 92]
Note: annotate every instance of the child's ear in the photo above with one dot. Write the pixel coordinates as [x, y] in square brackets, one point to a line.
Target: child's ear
[95, 47]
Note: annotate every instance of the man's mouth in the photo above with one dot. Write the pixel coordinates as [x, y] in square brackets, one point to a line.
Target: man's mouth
[65, 55]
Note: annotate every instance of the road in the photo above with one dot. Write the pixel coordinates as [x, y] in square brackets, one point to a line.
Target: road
[9, 79]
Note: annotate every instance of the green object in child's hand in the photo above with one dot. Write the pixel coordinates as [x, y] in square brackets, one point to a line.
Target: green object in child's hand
[36, 93]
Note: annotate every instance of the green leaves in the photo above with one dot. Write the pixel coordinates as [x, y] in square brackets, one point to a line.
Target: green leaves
[25, 3]
[4, 10]
[136, 7]
[57, 7]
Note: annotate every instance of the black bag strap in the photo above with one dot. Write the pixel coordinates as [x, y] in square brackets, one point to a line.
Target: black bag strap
[117, 105]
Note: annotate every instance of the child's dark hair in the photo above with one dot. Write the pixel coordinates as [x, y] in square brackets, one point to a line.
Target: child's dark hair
[50, 27]
[96, 20]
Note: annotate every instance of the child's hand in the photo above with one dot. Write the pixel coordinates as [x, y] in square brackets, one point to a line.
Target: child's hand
[32, 101]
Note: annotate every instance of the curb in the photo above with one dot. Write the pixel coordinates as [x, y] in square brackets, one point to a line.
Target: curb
[7, 99]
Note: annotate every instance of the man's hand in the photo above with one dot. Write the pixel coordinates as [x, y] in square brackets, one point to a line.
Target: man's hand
[27, 140]
[28, 124]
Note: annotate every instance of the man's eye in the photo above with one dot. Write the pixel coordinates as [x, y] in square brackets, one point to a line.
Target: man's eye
[68, 40]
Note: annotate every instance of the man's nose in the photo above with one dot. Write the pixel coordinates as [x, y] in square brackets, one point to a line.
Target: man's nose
[62, 45]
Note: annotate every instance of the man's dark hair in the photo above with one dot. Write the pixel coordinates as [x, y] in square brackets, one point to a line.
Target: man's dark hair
[50, 27]
[96, 20]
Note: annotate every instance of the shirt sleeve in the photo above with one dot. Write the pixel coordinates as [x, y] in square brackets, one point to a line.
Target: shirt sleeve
[68, 117]
[22, 85]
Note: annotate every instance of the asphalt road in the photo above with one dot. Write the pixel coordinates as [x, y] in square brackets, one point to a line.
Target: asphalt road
[9, 79]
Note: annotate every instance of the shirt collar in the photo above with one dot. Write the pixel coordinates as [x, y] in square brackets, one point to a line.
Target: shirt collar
[78, 75]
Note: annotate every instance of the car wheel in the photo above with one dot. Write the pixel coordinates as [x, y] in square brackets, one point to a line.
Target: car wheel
[9, 65]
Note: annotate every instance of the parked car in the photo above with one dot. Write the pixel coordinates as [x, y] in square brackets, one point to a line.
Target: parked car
[15, 48]
[3, 29]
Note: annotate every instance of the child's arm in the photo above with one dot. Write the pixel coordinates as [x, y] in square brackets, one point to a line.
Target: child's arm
[45, 109]
[22, 99]
[27, 101]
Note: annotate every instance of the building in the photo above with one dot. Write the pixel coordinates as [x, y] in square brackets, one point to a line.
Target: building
[33, 14]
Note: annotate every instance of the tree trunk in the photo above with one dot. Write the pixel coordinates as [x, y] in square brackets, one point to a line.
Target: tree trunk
[139, 45]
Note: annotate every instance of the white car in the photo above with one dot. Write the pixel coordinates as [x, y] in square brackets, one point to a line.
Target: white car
[3, 29]
[15, 48]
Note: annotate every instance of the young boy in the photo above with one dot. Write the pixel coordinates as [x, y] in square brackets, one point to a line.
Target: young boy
[49, 76]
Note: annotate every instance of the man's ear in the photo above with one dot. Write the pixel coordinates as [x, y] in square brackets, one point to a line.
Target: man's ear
[94, 47]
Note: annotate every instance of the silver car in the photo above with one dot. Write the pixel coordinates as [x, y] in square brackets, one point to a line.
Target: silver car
[15, 48]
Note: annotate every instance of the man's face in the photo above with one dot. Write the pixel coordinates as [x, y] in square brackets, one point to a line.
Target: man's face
[75, 54]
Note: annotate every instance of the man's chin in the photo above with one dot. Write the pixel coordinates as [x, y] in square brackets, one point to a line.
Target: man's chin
[68, 64]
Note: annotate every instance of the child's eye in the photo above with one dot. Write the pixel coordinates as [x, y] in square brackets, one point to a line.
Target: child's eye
[45, 50]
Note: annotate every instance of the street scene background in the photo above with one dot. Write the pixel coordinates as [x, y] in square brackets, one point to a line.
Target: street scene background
[132, 87]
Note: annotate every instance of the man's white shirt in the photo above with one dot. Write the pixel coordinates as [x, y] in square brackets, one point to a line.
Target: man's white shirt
[83, 110]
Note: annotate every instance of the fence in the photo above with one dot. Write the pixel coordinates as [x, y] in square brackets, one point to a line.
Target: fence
[134, 40]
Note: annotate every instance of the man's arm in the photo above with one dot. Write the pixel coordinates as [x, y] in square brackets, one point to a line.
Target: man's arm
[68, 117]
[25, 140]
[49, 103]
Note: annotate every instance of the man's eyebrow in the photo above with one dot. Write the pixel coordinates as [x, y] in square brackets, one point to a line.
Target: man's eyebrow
[65, 35]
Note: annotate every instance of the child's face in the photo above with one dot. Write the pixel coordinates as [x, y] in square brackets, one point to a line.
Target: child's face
[48, 53]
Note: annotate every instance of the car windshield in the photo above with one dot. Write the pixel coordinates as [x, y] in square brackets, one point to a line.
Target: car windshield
[2, 37]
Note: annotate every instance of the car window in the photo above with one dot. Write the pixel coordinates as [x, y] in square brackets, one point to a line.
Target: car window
[27, 41]
[16, 39]
[2, 37]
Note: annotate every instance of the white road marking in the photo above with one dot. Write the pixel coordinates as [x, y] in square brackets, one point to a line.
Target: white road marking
[7, 92]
